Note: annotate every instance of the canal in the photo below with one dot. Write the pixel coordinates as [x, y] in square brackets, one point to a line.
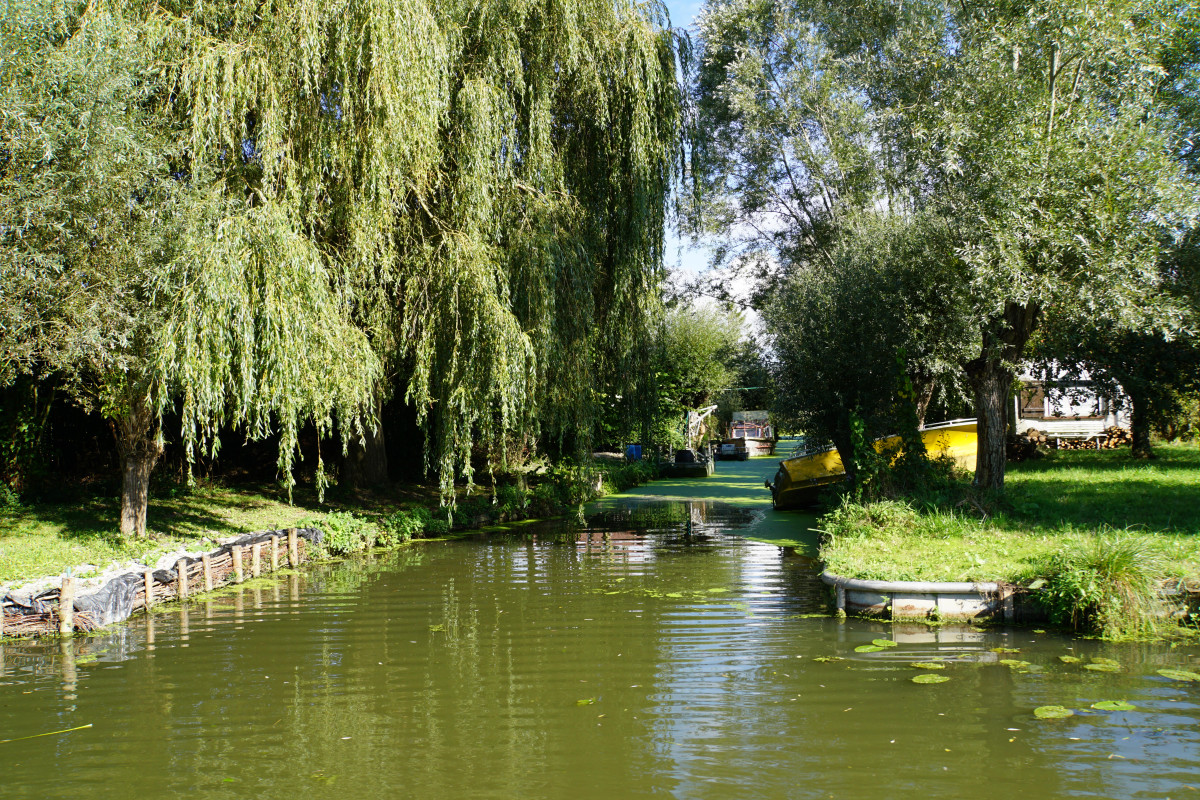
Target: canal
[664, 646]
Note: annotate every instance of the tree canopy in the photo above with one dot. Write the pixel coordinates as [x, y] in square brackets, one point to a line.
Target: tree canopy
[1040, 134]
[268, 214]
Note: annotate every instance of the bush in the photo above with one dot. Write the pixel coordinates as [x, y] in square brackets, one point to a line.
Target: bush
[1108, 586]
[344, 532]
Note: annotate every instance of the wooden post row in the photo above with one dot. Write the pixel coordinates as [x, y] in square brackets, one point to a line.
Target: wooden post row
[293, 553]
[239, 576]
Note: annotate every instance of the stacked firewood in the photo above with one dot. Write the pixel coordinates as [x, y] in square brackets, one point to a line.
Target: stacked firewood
[1114, 438]
[1117, 437]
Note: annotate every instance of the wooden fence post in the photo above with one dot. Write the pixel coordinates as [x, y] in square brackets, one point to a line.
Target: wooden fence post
[66, 606]
[181, 578]
[148, 582]
[238, 575]
[207, 562]
[256, 559]
[293, 553]
[274, 553]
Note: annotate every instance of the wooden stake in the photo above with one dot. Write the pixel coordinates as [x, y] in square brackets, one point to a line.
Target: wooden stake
[181, 578]
[148, 581]
[274, 553]
[238, 575]
[204, 559]
[293, 555]
[66, 606]
[256, 559]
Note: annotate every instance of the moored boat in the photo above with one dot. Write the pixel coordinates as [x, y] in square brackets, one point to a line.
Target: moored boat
[801, 478]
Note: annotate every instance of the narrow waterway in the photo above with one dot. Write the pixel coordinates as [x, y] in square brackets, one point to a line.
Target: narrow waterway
[659, 648]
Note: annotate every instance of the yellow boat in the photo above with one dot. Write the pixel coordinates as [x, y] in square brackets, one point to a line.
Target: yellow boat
[801, 478]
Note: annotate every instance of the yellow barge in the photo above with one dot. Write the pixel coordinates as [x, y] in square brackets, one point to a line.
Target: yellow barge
[801, 478]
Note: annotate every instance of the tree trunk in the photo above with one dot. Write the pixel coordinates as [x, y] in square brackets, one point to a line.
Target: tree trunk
[923, 387]
[991, 375]
[365, 463]
[139, 448]
[1139, 423]
[992, 384]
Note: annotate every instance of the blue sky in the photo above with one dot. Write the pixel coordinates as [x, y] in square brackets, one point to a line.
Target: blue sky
[680, 255]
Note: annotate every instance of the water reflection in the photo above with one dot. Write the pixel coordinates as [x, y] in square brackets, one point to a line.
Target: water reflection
[643, 652]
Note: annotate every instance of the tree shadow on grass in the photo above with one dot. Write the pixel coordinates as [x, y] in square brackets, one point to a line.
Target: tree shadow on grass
[1091, 489]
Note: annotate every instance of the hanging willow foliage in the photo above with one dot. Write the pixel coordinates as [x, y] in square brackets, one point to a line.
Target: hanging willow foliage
[488, 178]
[330, 201]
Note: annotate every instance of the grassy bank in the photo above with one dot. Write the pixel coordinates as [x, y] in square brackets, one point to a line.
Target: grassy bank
[1079, 522]
[45, 538]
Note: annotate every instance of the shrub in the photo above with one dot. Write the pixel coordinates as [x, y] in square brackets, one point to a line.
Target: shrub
[1108, 586]
[344, 532]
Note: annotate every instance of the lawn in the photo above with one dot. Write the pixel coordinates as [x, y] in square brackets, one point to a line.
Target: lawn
[46, 538]
[1063, 502]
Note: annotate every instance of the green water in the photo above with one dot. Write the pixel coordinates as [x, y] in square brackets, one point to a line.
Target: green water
[656, 650]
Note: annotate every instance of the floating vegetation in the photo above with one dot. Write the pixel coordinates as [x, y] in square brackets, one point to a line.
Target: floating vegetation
[1102, 660]
[1179, 675]
[868, 648]
[587, 701]
[1103, 666]
[1070, 659]
[1015, 663]
[825, 659]
[1114, 705]
[883, 643]
[1006, 649]
[927, 665]
[1052, 712]
[930, 679]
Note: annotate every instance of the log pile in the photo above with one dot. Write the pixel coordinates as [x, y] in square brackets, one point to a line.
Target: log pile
[1024, 447]
[1114, 438]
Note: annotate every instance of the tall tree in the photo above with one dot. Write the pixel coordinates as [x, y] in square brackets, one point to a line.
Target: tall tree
[136, 284]
[1038, 130]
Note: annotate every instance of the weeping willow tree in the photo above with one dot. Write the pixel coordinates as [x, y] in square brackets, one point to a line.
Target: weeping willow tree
[139, 282]
[263, 214]
[489, 178]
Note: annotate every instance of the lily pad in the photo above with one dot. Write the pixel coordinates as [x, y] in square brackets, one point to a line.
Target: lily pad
[824, 659]
[587, 701]
[1006, 649]
[930, 679]
[1014, 663]
[927, 665]
[1070, 659]
[1114, 705]
[1052, 712]
[717, 590]
[1103, 667]
[1102, 660]
[883, 643]
[1179, 675]
[867, 648]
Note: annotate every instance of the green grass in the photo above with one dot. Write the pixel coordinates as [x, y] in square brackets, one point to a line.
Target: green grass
[1099, 527]
[47, 538]
[1061, 502]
